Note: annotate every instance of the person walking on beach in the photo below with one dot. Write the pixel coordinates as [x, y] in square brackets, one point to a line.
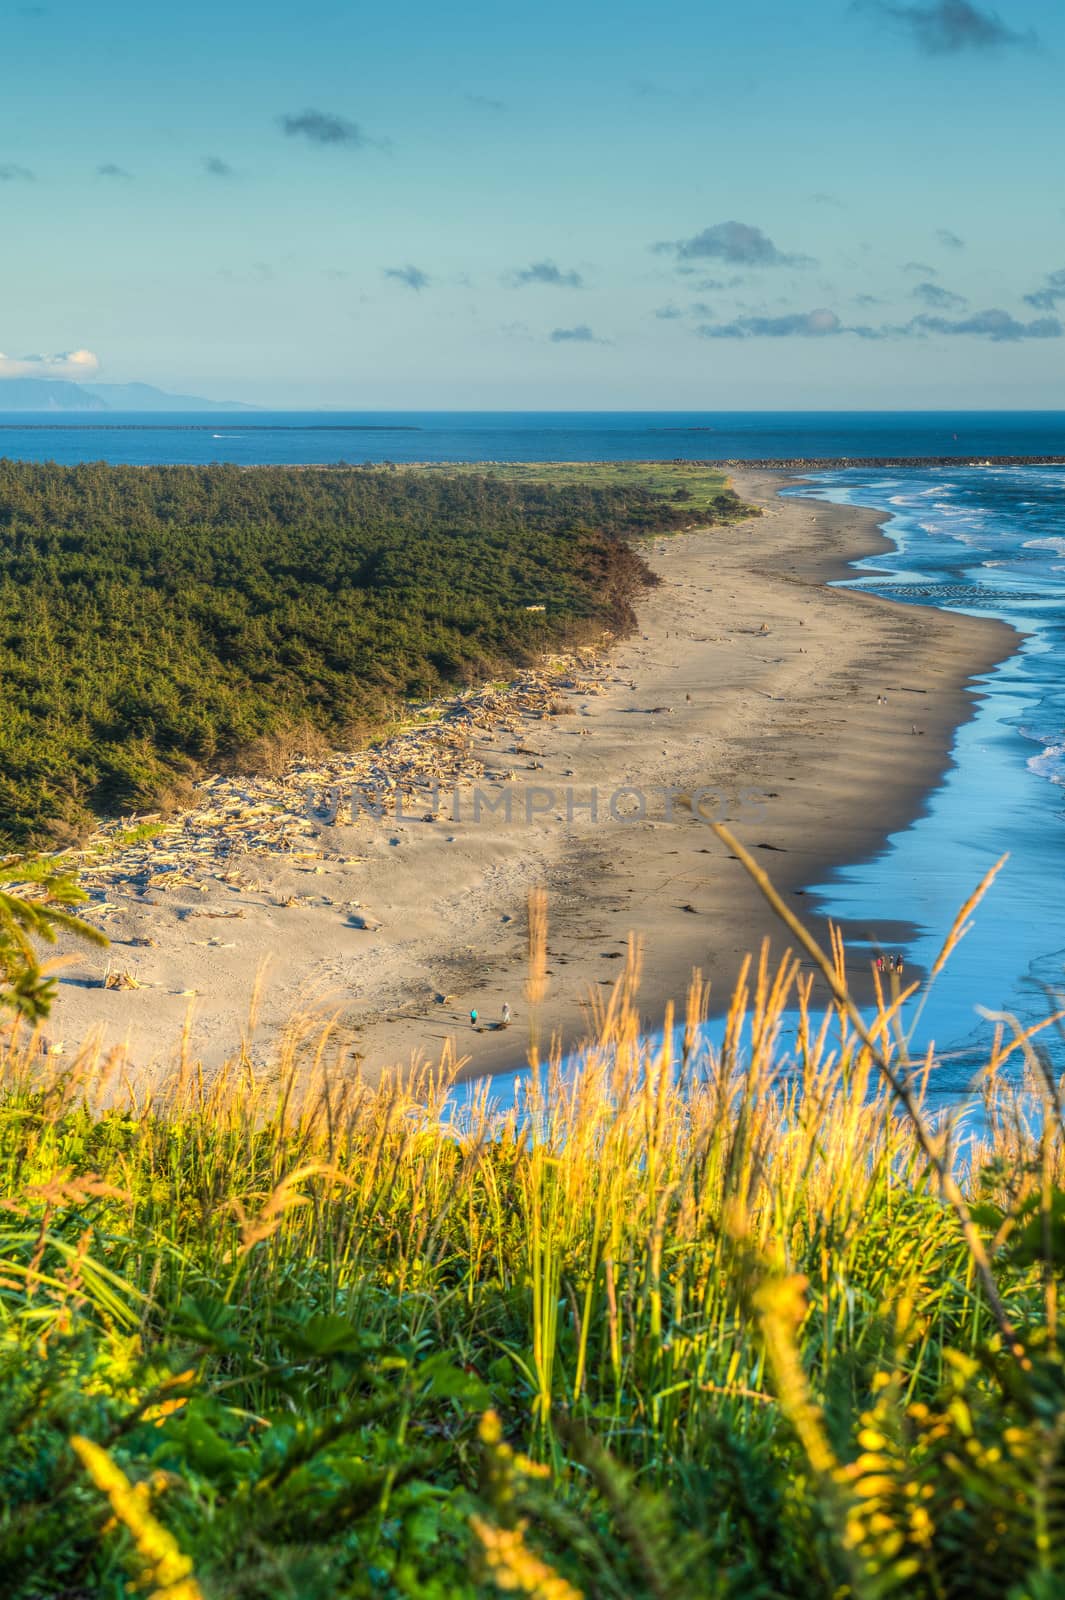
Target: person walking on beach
[506, 1013]
[898, 966]
[473, 1017]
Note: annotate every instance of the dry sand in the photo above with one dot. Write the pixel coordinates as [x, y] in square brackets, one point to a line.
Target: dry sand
[748, 677]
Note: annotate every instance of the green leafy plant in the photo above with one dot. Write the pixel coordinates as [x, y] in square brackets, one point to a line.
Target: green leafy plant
[37, 898]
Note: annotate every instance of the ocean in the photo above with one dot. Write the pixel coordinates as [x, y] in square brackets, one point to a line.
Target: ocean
[305, 438]
[988, 542]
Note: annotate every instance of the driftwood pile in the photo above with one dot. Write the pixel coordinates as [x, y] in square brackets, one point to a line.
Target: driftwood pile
[238, 821]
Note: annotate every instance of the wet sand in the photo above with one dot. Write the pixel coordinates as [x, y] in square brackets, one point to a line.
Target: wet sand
[789, 705]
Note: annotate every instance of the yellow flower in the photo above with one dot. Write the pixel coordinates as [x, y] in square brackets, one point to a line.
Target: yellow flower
[514, 1568]
[165, 1566]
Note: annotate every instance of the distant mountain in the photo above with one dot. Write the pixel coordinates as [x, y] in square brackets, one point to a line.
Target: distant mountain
[45, 394]
[143, 397]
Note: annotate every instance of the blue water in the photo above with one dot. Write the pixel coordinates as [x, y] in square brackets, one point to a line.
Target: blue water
[987, 542]
[303, 438]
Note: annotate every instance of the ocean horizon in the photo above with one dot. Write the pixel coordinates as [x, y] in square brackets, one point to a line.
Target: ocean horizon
[308, 438]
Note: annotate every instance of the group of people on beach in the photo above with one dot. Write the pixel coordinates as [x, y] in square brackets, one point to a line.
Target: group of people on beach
[889, 964]
[504, 1021]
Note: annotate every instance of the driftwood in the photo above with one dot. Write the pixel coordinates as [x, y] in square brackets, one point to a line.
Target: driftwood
[237, 820]
[121, 980]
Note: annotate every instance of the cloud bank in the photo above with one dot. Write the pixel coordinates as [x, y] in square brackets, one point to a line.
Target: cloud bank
[71, 365]
[940, 299]
[410, 277]
[738, 243]
[1053, 290]
[547, 272]
[582, 334]
[323, 128]
[998, 326]
[947, 27]
[817, 324]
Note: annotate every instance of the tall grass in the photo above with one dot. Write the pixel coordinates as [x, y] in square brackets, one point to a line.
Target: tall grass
[683, 1323]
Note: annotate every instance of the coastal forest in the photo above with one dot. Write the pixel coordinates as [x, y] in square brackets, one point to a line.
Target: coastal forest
[156, 622]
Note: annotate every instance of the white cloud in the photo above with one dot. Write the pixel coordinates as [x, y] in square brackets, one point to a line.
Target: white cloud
[72, 365]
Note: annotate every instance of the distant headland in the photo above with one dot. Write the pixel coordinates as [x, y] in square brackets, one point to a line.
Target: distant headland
[52, 394]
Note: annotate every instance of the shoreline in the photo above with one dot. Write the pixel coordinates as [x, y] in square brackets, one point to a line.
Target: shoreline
[833, 815]
[801, 465]
[747, 675]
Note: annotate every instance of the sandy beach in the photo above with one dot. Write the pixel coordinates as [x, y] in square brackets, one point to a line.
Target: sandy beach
[784, 707]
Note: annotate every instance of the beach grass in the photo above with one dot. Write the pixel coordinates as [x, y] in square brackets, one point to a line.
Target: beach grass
[687, 481]
[683, 1323]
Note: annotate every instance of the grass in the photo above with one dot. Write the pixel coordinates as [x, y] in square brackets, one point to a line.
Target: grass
[681, 480]
[657, 477]
[686, 1324]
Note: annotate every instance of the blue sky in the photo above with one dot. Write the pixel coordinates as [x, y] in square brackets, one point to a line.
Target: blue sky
[574, 205]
